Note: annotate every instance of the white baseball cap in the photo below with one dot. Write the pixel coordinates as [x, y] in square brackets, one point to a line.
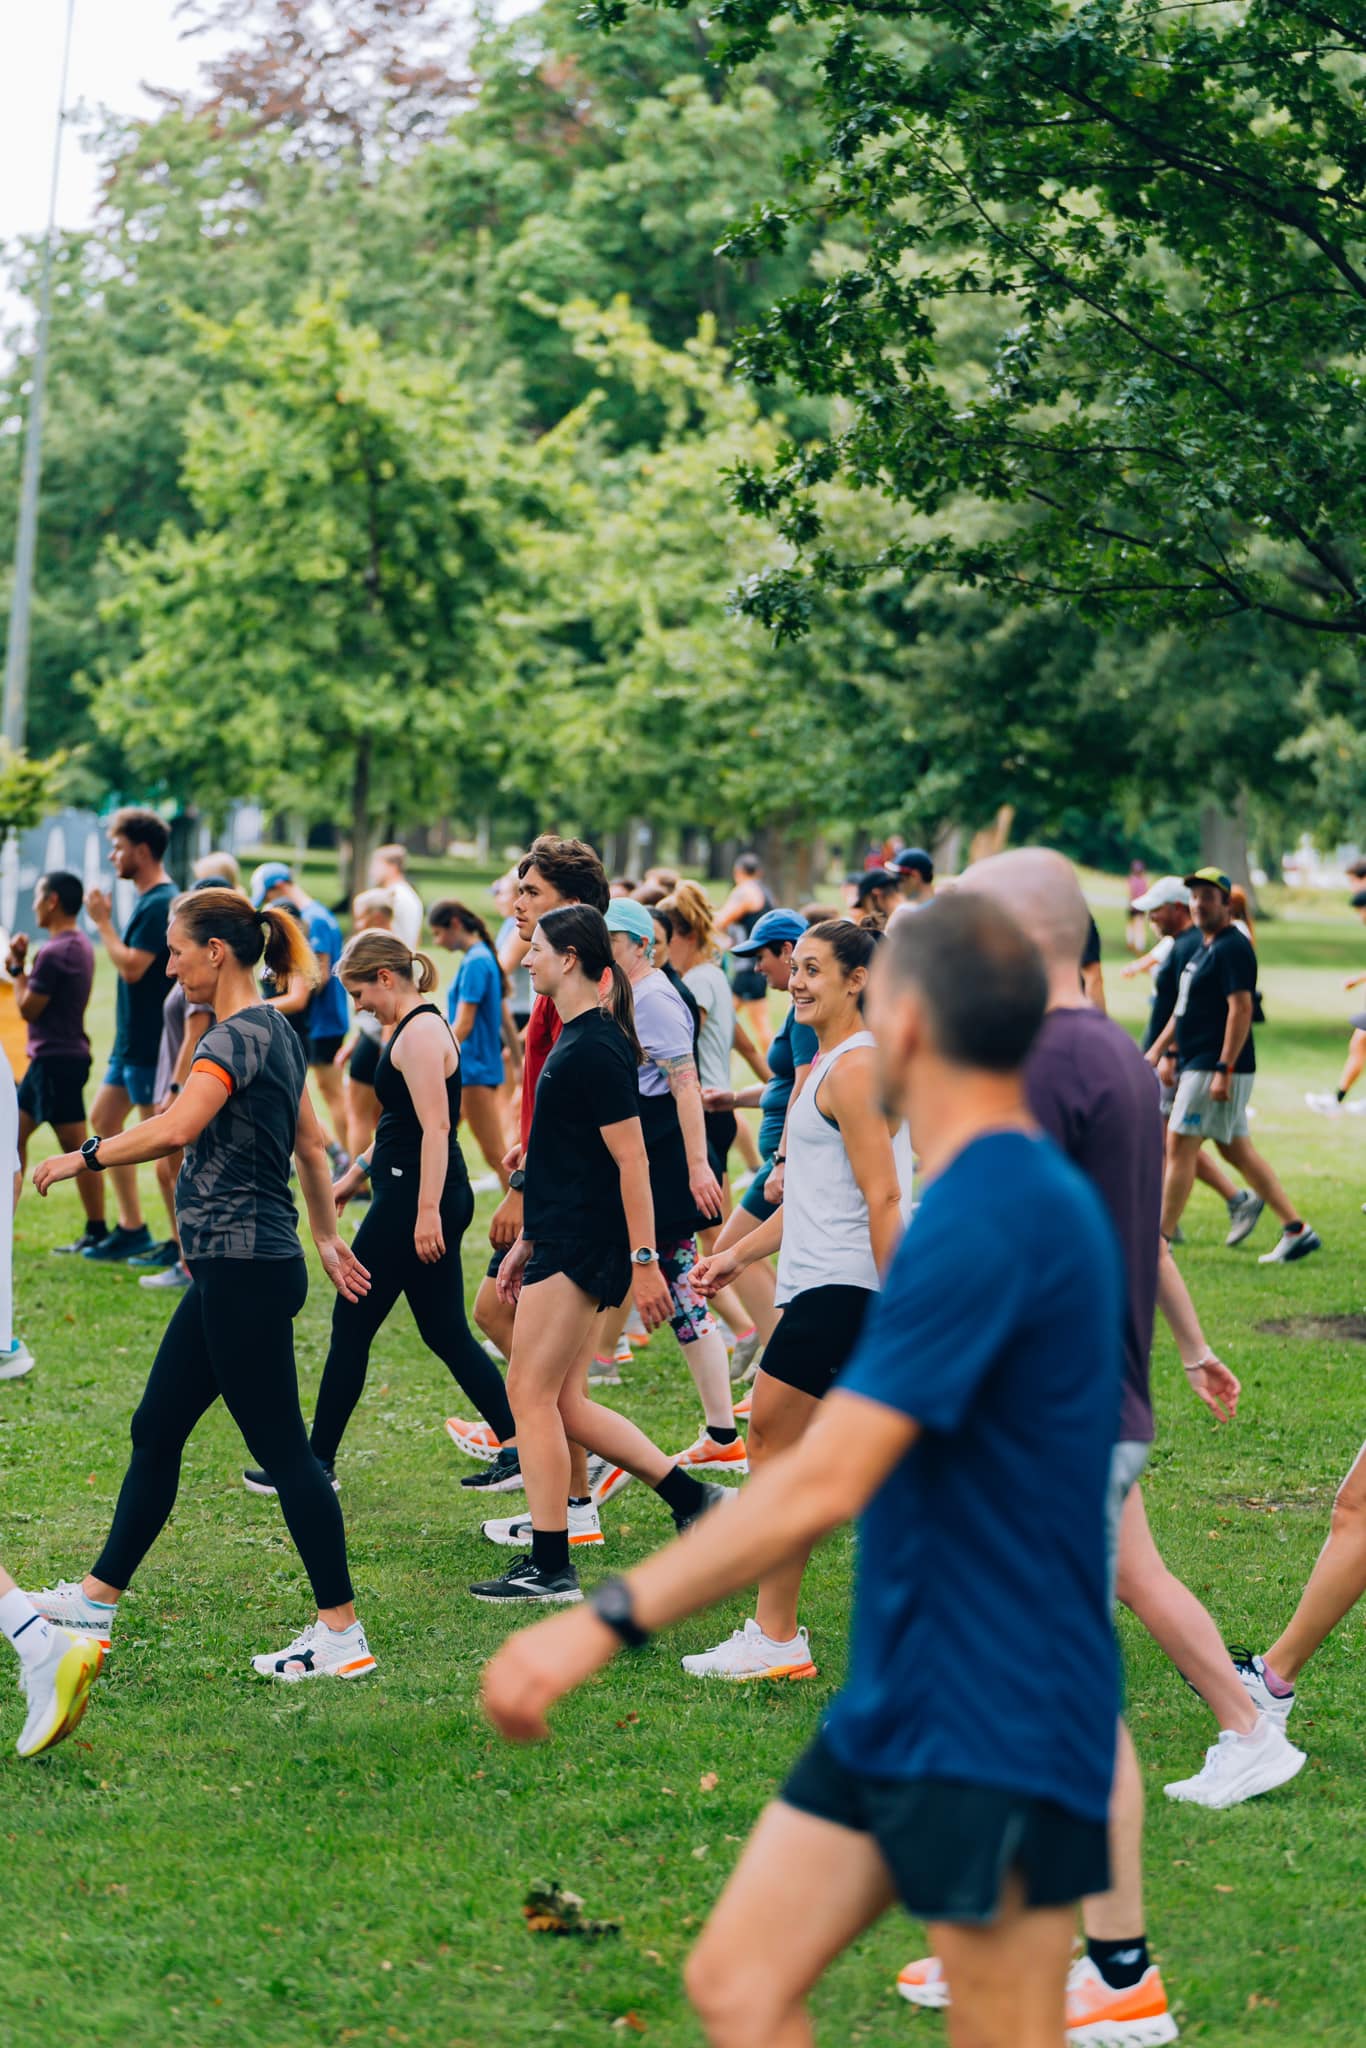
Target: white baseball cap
[1170, 889]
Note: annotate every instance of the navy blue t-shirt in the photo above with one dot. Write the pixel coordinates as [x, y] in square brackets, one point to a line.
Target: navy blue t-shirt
[981, 1648]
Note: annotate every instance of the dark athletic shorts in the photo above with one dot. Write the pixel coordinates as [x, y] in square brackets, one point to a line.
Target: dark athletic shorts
[816, 1333]
[1358, 1022]
[322, 1051]
[748, 985]
[52, 1091]
[950, 1847]
[721, 1128]
[365, 1061]
[602, 1271]
[755, 1201]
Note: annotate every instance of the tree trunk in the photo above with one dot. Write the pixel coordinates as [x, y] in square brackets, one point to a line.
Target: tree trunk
[362, 831]
[1223, 844]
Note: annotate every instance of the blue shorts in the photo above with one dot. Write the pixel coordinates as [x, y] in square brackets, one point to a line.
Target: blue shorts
[139, 1084]
[754, 1201]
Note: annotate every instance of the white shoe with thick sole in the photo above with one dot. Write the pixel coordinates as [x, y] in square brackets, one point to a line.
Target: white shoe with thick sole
[1239, 1767]
[749, 1655]
[318, 1652]
[66, 1604]
[475, 1439]
[57, 1690]
[515, 1530]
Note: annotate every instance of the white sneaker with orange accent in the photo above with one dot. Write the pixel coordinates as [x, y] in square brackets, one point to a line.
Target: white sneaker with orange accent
[319, 1652]
[924, 1983]
[749, 1654]
[605, 1480]
[1098, 2017]
[706, 1455]
[584, 1529]
[742, 1408]
[475, 1439]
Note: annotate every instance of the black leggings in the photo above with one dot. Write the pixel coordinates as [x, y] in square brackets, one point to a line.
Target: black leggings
[232, 1334]
[436, 1296]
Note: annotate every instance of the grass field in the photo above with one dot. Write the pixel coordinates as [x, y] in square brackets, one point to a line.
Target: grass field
[215, 1861]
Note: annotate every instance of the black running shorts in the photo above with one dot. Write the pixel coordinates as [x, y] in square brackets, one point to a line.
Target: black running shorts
[323, 1051]
[950, 1847]
[602, 1271]
[815, 1337]
[365, 1061]
[53, 1089]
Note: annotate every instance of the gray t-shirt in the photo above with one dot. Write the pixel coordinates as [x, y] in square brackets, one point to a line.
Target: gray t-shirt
[232, 1197]
[663, 1027]
[712, 993]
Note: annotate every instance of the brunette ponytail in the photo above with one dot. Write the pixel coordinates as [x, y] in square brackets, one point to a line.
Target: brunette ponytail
[287, 951]
[250, 935]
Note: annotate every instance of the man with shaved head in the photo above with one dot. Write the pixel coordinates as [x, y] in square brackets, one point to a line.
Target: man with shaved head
[1094, 1093]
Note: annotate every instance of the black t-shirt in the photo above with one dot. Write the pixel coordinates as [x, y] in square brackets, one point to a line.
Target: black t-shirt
[1167, 982]
[137, 1004]
[1218, 970]
[1090, 952]
[573, 1189]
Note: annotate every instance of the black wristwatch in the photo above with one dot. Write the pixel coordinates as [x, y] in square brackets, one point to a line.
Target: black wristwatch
[611, 1602]
[90, 1153]
[1221, 1066]
[517, 1180]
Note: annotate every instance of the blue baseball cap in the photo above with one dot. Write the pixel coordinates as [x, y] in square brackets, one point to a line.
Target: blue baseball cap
[624, 914]
[267, 877]
[774, 928]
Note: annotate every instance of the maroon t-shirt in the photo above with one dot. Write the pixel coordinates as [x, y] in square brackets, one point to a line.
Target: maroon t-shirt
[1096, 1096]
[63, 970]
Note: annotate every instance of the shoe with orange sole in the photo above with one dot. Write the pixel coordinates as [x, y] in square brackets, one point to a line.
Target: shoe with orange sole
[1097, 2017]
[706, 1455]
[475, 1439]
[742, 1408]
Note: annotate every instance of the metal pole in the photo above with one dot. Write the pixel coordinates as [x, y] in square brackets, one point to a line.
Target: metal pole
[26, 540]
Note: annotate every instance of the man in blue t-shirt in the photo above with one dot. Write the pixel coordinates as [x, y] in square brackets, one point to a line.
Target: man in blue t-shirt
[965, 1766]
[320, 1015]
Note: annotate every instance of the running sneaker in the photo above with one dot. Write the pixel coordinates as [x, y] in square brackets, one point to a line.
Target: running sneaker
[475, 1439]
[66, 1604]
[924, 1983]
[174, 1280]
[1252, 1671]
[712, 1497]
[749, 1654]
[1291, 1245]
[603, 1372]
[15, 1359]
[119, 1245]
[584, 1529]
[167, 1253]
[256, 1479]
[742, 1408]
[524, 1581]
[487, 1344]
[502, 1474]
[1239, 1767]
[605, 1481]
[1323, 1105]
[319, 1652]
[623, 1353]
[57, 1690]
[744, 1359]
[706, 1455]
[87, 1240]
[1244, 1209]
[1099, 2017]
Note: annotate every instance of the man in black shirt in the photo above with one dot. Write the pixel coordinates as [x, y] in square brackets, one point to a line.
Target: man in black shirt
[1206, 1046]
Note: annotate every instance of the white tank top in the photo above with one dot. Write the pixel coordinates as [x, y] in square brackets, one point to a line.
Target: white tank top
[825, 1218]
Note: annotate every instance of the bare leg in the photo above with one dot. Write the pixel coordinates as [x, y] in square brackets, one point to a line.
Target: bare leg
[108, 1114]
[554, 1322]
[71, 1137]
[483, 1112]
[494, 1317]
[331, 1085]
[1214, 1177]
[1117, 1915]
[1353, 1064]
[781, 1415]
[745, 1144]
[754, 1018]
[709, 1364]
[1010, 1978]
[1241, 1155]
[1178, 1179]
[1177, 1622]
[1336, 1583]
[802, 1890]
[756, 1288]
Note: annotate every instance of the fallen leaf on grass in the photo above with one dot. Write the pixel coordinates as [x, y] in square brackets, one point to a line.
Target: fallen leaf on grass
[629, 1721]
[1223, 1887]
[549, 1909]
[708, 1781]
[631, 2020]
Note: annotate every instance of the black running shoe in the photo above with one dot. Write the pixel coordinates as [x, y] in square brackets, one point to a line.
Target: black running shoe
[256, 1479]
[83, 1243]
[712, 1497]
[502, 1475]
[525, 1582]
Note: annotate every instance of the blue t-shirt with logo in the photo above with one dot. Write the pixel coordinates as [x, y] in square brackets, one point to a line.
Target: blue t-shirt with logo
[327, 1015]
[981, 1646]
[479, 981]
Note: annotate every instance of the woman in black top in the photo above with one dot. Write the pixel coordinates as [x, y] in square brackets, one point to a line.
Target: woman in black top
[422, 1204]
[587, 1238]
[242, 1112]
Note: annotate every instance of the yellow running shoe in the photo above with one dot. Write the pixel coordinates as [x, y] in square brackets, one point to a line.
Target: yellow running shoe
[57, 1690]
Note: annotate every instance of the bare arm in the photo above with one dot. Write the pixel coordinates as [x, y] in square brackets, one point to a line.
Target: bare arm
[420, 1057]
[681, 1074]
[465, 1014]
[1210, 1378]
[626, 1143]
[130, 962]
[1236, 1027]
[340, 1263]
[850, 1096]
[190, 1113]
[195, 1027]
[750, 1053]
[295, 998]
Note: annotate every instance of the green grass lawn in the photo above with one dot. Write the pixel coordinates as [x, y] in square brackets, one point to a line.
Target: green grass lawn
[216, 1861]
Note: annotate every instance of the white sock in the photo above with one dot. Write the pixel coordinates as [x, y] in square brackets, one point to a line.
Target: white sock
[26, 1628]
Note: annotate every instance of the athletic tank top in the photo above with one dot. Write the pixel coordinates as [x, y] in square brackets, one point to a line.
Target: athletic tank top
[398, 1141]
[825, 1218]
[750, 918]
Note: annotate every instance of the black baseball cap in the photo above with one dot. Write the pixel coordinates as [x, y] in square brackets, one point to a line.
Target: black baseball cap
[913, 860]
[1359, 900]
[874, 878]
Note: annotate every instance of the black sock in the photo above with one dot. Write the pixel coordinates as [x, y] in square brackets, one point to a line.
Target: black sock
[1342, 1094]
[550, 1550]
[679, 1491]
[581, 1501]
[1121, 1963]
[1293, 1229]
[96, 1230]
[722, 1436]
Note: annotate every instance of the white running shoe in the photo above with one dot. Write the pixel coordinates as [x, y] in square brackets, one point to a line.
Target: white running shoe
[749, 1654]
[1290, 1245]
[923, 1983]
[475, 1439]
[1252, 1671]
[57, 1690]
[319, 1652]
[515, 1531]
[15, 1361]
[706, 1455]
[170, 1280]
[1323, 1105]
[66, 1604]
[1239, 1767]
[1244, 1210]
[605, 1480]
[624, 1351]
[487, 1184]
[744, 1359]
[604, 1372]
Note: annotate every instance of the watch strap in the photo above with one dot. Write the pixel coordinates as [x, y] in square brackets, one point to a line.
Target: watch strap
[611, 1602]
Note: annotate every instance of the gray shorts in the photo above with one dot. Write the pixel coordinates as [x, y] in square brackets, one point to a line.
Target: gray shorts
[1194, 1115]
[1126, 1469]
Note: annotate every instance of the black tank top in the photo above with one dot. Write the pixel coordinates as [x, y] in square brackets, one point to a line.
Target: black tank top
[747, 922]
[398, 1141]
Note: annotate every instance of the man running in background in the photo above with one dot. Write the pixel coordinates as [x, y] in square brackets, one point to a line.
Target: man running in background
[325, 1018]
[971, 1434]
[137, 844]
[53, 996]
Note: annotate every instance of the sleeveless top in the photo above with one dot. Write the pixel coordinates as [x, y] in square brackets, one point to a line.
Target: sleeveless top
[398, 1140]
[747, 921]
[825, 1239]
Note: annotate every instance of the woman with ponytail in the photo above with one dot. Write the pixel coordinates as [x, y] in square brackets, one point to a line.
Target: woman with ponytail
[588, 1238]
[242, 1111]
[421, 1203]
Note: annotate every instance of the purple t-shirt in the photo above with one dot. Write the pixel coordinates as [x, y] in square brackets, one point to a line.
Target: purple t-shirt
[62, 971]
[663, 1027]
[1096, 1096]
